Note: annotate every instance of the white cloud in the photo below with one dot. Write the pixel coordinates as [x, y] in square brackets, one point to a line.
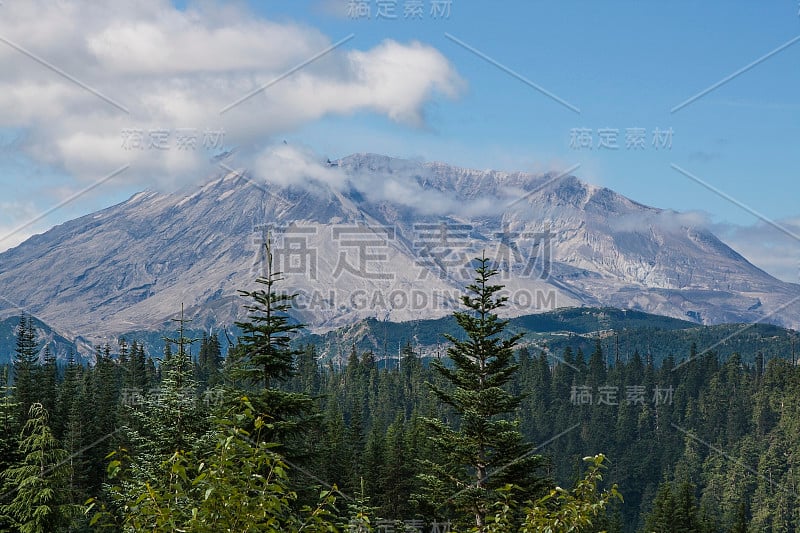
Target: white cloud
[174, 69]
[287, 164]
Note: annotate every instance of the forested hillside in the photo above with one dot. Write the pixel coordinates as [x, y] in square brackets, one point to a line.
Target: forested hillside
[621, 333]
[269, 439]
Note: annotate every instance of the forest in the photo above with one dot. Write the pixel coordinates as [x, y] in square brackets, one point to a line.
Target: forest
[492, 437]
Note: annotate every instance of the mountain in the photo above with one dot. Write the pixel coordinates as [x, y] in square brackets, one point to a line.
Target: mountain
[621, 333]
[59, 346]
[370, 236]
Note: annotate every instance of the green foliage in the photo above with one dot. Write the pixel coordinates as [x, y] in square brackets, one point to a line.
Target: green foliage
[558, 511]
[38, 483]
[264, 359]
[26, 367]
[675, 509]
[209, 361]
[242, 486]
[719, 454]
[572, 511]
[486, 451]
[135, 367]
[265, 342]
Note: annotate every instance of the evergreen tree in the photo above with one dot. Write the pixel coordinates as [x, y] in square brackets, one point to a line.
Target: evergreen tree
[597, 366]
[176, 409]
[209, 360]
[355, 443]
[397, 471]
[68, 390]
[334, 456]
[373, 462]
[8, 416]
[740, 525]
[135, 368]
[168, 419]
[72, 400]
[242, 485]
[675, 509]
[486, 450]
[9, 443]
[265, 359]
[309, 378]
[659, 520]
[26, 366]
[41, 500]
[123, 351]
[151, 372]
[47, 384]
[103, 395]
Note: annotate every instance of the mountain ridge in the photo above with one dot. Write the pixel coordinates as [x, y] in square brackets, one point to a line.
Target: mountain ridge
[131, 265]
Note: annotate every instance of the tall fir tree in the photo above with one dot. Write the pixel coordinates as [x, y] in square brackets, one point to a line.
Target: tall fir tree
[103, 391]
[123, 351]
[9, 441]
[48, 381]
[264, 359]
[72, 401]
[41, 501]
[177, 407]
[26, 367]
[135, 368]
[674, 510]
[486, 450]
[210, 361]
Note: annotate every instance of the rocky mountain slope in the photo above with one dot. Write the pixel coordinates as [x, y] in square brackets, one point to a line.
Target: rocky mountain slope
[372, 236]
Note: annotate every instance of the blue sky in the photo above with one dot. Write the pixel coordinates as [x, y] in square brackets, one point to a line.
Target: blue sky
[624, 65]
